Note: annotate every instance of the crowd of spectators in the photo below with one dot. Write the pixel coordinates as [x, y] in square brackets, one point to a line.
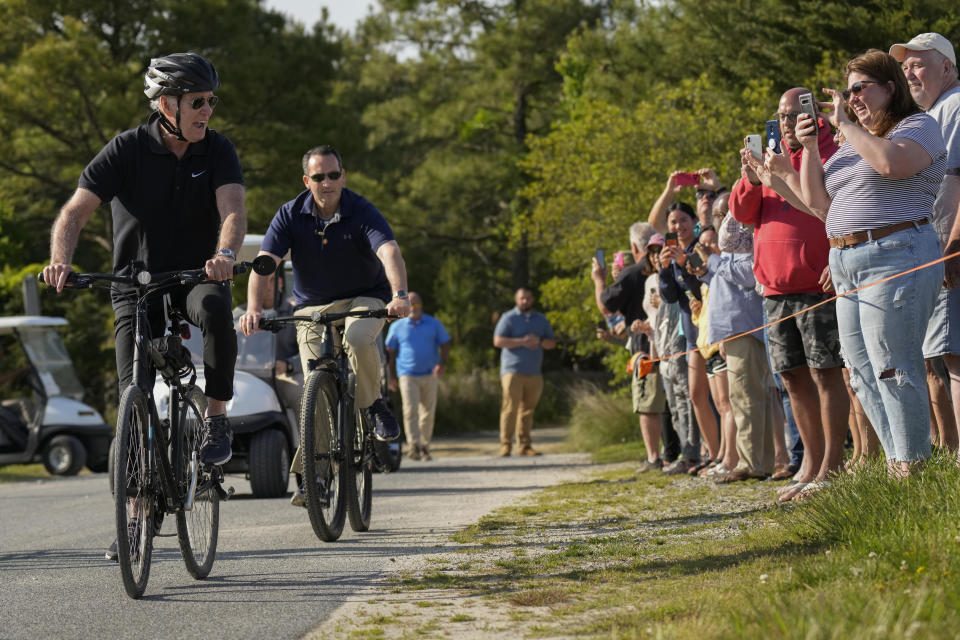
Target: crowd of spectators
[809, 306]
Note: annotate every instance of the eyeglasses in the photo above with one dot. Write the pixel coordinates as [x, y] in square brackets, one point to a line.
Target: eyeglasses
[706, 193]
[333, 175]
[197, 103]
[856, 88]
[785, 117]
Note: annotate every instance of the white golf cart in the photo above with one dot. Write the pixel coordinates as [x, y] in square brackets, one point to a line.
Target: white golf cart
[52, 425]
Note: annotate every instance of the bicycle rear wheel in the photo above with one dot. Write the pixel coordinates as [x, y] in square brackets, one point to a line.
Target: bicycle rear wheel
[197, 528]
[359, 456]
[321, 456]
[133, 492]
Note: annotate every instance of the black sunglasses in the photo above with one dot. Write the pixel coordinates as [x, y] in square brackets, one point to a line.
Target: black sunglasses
[333, 175]
[197, 103]
[856, 88]
[706, 193]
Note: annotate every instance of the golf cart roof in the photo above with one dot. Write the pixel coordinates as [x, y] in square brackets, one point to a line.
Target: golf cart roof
[10, 323]
[251, 247]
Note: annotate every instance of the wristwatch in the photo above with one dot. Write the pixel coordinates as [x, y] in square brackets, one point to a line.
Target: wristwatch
[229, 253]
[402, 293]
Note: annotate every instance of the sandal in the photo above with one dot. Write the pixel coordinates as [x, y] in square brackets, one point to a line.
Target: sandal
[791, 493]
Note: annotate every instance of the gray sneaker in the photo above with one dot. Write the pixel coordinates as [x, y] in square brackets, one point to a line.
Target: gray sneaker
[647, 466]
[299, 499]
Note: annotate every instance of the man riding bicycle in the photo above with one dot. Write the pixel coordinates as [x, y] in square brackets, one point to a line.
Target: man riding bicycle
[176, 194]
[345, 258]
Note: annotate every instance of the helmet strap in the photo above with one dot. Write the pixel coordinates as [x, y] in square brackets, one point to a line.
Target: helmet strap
[170, 128]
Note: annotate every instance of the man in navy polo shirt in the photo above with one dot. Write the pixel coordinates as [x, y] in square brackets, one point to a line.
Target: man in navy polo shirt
[522, 334]
[420, 346]
[344, 258]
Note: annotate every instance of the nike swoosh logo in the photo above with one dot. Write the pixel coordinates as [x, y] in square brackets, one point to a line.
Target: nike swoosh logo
[198, 174]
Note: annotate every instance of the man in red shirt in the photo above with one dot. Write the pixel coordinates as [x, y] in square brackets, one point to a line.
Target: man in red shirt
[790, 261]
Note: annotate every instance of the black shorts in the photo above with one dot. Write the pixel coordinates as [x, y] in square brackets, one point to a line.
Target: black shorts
[811, 339]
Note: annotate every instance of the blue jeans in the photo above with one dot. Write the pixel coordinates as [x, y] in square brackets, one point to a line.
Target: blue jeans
[882, 330]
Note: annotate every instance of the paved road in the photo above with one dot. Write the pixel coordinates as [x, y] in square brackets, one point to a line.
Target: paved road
[272, 578]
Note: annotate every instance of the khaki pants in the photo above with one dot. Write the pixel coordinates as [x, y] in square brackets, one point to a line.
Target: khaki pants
[521, 393]
[361, 337]
[749, 379]
[419, 394]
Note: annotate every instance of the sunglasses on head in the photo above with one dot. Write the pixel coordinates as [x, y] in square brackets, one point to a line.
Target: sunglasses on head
[197, 103]
[706, 193]
[856, 88]
[333, 175]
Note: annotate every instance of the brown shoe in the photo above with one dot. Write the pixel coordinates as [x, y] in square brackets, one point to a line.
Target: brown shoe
[425, 453]
[737, 475]
[529, 451]
[782, 473]
[504, 450]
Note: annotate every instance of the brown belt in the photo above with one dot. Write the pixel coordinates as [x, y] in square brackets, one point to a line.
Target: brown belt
[853, 239]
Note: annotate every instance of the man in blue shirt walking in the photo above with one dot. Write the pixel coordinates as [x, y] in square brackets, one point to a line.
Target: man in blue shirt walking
[522, 334]
[420, 346]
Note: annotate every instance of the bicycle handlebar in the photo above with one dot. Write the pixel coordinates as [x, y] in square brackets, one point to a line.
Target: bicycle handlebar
[144, 278]
[276, 324]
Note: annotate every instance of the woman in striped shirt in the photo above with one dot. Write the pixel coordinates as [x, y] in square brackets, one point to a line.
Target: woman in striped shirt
[876, 195]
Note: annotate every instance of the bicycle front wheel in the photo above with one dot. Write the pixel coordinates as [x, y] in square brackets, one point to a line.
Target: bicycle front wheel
[133, 491]
[321, 456]
[359, 455]
[197, 527]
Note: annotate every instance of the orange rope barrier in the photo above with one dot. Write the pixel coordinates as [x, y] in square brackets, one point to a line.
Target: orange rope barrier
[646, 364]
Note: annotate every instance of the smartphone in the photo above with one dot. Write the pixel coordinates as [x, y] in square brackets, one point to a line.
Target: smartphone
[601, 257]
[807, 105]
[687, 179]
[671, 239]
[694, 260]
[618, 259]
[773, 135]
[754, 145]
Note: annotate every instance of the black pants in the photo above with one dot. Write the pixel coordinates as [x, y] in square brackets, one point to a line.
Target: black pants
[207, 306]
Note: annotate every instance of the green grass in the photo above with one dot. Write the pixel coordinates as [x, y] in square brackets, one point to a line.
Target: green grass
[618, 556]
[20, 472]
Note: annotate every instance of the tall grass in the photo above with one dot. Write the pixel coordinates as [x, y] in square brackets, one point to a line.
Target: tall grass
[600, 419]
[886, 561]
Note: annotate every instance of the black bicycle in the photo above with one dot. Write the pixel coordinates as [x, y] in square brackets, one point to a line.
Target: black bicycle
[338, 471]
[156, 468]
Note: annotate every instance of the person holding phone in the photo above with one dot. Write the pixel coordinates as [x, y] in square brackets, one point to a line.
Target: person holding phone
[707, 190]
[790, 261]
[625, 297]
[876, 195]
[678, 285]
[930, 65]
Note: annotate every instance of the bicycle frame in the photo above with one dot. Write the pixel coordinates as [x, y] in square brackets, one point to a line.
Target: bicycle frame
[158, 439]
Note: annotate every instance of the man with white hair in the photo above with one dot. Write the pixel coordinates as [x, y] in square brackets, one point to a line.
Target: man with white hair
[625, 297]
[930, 65]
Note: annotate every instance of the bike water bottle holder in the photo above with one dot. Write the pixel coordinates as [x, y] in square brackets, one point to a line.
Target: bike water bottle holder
[171, 359]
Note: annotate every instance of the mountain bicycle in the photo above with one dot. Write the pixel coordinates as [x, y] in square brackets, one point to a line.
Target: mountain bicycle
[338, 471]
[156, 467]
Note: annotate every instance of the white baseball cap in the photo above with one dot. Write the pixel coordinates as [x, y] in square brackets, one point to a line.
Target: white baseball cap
[925, 42]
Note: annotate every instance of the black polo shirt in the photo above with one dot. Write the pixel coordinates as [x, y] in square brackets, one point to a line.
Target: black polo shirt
[625, 296]
[164, 209]
[333, 261]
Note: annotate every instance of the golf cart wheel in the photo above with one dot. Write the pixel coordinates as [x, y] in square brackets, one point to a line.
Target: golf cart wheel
[269, 464]
[64, 456]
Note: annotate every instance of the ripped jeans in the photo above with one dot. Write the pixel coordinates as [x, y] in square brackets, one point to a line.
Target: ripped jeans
[882, 330]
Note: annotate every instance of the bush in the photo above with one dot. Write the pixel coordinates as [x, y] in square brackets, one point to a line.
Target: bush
[601, 419]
